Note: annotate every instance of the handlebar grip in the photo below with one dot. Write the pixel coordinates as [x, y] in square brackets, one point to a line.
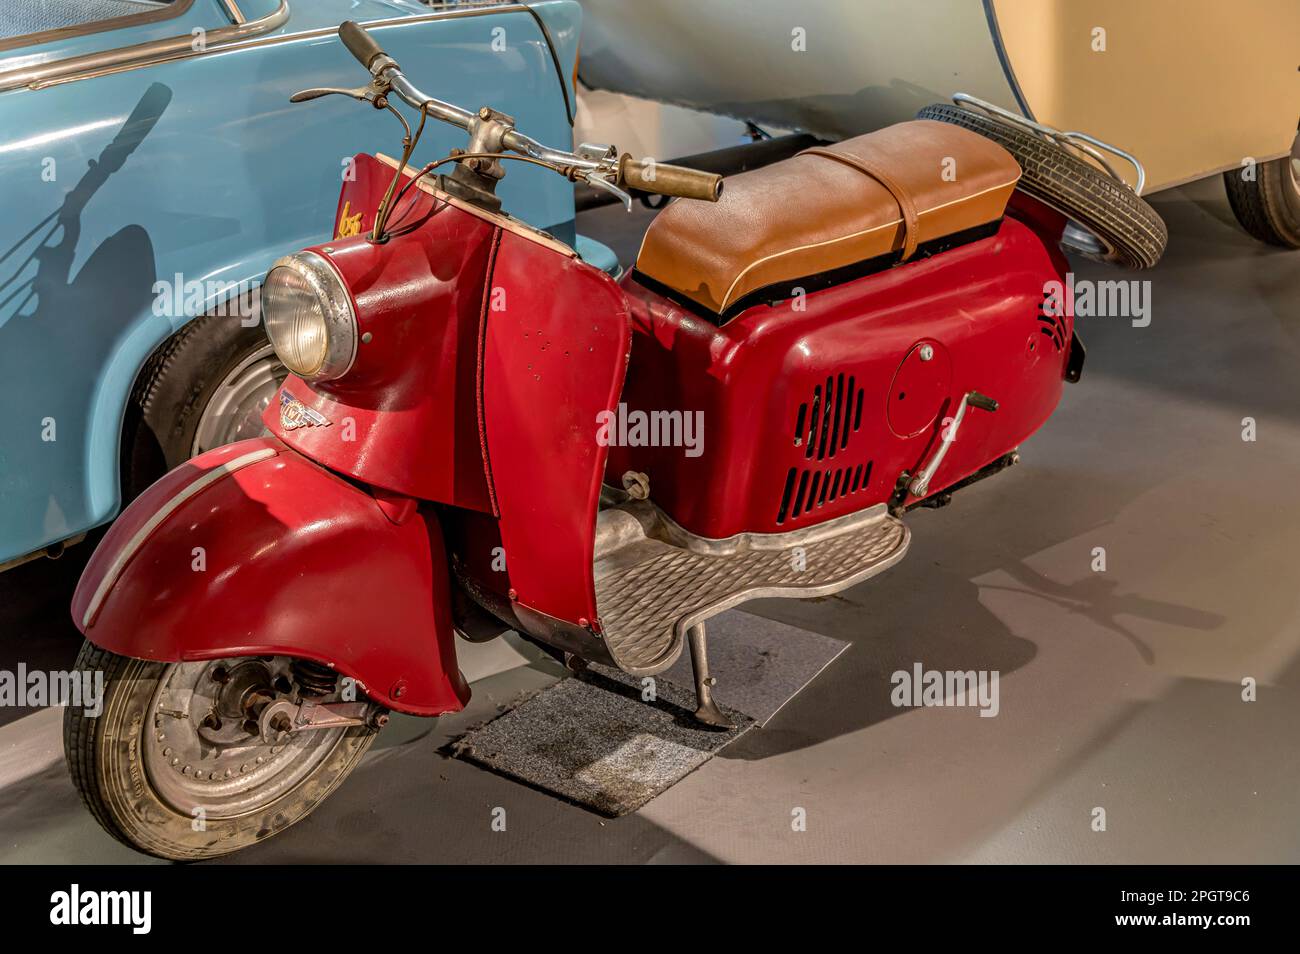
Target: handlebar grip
[664, 179]
[359, 43]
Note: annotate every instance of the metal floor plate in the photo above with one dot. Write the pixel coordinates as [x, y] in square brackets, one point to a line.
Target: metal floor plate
[655, 591]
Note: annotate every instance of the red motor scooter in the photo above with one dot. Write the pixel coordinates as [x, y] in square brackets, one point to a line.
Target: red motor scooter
[483, 433]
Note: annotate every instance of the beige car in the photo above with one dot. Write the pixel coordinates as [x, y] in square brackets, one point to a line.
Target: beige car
[1190, 87]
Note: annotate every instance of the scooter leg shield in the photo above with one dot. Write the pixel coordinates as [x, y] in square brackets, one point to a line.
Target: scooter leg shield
[254, 550]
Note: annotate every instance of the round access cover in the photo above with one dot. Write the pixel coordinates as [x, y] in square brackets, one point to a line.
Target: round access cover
[921, 385]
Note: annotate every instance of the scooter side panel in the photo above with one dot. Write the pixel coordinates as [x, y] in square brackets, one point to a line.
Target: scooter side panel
[554, 356]
[810, 409]
[252, 549]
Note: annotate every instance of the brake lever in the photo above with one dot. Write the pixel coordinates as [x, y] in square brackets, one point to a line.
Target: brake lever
[374, 93]
[600, 182]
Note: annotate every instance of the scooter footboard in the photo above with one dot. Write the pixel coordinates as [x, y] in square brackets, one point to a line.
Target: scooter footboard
[654, 581]
[252, 549]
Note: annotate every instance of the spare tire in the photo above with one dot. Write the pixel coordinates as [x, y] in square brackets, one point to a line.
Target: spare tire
[1127, 230]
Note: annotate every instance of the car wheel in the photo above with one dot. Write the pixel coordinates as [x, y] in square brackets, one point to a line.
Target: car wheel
[1268, 204]
[206, 386]
[1108, 220]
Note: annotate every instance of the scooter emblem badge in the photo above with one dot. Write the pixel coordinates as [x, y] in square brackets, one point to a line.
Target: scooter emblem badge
[294, 414]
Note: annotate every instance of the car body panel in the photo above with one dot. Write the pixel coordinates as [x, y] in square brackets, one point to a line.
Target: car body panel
[836, 68]
[155, 177]
[1189, 87]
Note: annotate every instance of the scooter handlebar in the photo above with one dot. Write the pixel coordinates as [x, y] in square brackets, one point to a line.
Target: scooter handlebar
[359, 43]
[664, 179]
[642, 175]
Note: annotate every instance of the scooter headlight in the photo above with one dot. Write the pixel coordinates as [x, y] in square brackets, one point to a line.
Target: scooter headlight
[309, 317]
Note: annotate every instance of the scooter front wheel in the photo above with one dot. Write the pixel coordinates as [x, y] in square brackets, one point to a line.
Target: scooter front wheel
[169, 763]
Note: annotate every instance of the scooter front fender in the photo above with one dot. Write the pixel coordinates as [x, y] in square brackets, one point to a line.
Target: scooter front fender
[254, 550]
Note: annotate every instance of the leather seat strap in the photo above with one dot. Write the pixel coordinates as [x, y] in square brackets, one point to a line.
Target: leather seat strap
[911, 221]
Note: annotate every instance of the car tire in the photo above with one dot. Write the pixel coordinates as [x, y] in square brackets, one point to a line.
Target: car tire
[183, 381]
[1268, 206]
[1128, 231]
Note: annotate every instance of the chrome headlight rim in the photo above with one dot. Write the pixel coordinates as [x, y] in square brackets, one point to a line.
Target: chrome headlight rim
[341, 334]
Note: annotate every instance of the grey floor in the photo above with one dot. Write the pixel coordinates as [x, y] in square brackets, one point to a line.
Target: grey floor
[1119, 690]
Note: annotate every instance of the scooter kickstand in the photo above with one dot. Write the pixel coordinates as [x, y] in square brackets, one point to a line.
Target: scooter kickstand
[708, 711]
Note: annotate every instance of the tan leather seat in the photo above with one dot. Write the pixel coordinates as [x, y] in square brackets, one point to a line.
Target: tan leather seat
[822, 210]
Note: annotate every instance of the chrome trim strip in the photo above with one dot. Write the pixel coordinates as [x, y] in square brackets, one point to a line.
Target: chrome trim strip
[450, 14]
[162, 513]
[141, 54]
[236, 14]
[165, 11]
[241, 37]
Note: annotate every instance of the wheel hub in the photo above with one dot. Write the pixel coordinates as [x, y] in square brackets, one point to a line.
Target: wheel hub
[234, 412]
[217, 741]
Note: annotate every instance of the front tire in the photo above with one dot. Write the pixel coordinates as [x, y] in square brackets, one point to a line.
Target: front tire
[155, 781]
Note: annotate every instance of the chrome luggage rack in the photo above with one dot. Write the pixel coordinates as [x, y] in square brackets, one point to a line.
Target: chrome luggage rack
[1090, 146]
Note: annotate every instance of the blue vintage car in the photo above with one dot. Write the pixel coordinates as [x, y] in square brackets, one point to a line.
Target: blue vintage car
[152, 168]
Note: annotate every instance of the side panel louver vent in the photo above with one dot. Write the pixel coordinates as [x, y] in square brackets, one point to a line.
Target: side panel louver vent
[823, 426]
[822, 430]
[806, 490]
[1051, 325]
